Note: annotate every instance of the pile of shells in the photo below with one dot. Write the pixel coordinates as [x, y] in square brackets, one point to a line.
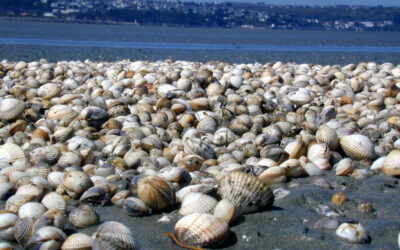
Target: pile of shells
[206, 139]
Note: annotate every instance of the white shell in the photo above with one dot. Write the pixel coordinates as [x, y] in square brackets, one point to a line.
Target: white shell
[197, 203]
[300, 97]
[54, 200]
[10, 153]
[225, 210]
[377, 164]
[352, 233]
[320, 150]
[31, 209]
[357, 147]
[7, 222]
[180, 195]
[11, 108]
[391, 165]
[344, 167]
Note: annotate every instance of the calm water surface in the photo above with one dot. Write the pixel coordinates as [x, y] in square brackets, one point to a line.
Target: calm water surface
[62, 41]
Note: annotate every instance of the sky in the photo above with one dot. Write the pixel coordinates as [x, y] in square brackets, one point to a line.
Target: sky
[314, 2]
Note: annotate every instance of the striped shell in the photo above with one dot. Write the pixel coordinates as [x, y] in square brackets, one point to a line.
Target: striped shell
[197, 203]
[11, 108]
[83, 216]
[77, 241]
[7, 222]
[113, 235]
[225, 210]
[196, 146]
[47, 154]
[155, 192]
[326, 134]
[62, 112]
[31, 209]
[136, 207]
[6, 190]
[47, 238]
[23, 230]
[49, 90]
[246, 192]
[119, 198]
[55, 178]
[201, 229]
[391, 165]
[296, 148]
[16, 201]
[357, 147]
[9, 153]
[320, 150]
[274, 174]
[54, 200]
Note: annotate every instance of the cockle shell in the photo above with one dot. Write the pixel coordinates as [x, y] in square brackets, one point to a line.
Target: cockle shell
[391, 165]
[77, 241]
[353, 233]
[97, 194]
[76, 183]
[47, 154]
[16, 201]
[326, 134]
[246, 192]
[135, 207]
[7, 222]
[6, 190]
[62, 113]
[83, 216]
[196, 146]
[32, 190]
[197, 203]
[223, 136]
[201, 229]
[52, 217]
[31, 209]
[202, 188]
[95, 116]
[113, 235]
[293, 168]
[23, 230]
[274, 174]
[47, 238]
[319, 150]
[55, 178]
[54, 200]
[119, 198]
[191, 162]
[11, 108]
[225, 210]
[300, 97]
[357, 147]
[155, 192]
[49, 90]
[9, 153]
[296, 148]
[344, 167]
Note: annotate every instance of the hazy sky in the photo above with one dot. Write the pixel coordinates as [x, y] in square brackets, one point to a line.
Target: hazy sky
[314, 2]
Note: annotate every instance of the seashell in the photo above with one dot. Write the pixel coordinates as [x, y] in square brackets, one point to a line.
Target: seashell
[352, 233]
[225, 210]
[293, 168]
[7, 223]
[274, 174]
[30, 189]
[80, 143]
[23, 230]
[208, 125]
[391, 164]
[175, 174]
[326, 223]
[68, 159]
[31, 209]
[223, 136]
[18, 126]
[155, 192]
[54, 200]
[201, 229]
[77, 241]
[55, 178]
[76, 183]
[119, 198]
[135, 207]
[97, 194]
[191, 163]
[281, 193]
[47, 154]
[339, 199]
[196, 146]
[51, 217]
[10, 153]
[197, 203]
[357, 147]
[317, 151]
[83, 216]
[6, 190]
[246, 192]
[62, 113]
[47, 238]
[16, 201]
[344, 167]
[113, 235]
[62, 134]
[326, 134]
[49, 90]
[310, 168]
[11, 108]
[205, 189]
[322, 163]
[296, 148]
[300, 97]
[95, 116]
[15, 176]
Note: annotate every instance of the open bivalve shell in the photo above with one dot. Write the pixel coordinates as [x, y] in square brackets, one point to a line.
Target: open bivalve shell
[201, 229]
[248, 193]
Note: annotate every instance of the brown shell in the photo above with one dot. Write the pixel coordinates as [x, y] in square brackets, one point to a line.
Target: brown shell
[155, 192]
[83, 216]
[77, 241]
[201, 229]
[23, 230]
[246, 192]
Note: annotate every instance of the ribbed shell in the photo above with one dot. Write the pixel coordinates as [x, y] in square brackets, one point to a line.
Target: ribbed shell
[62, 112]
[357, 147]
[197, 203]
[47, 238]
[11, 108]
[55, 178]
[6, 190]
[196, 146]
[320, 150]
[47, 154]
[49, 90]
[296, 148]
[119, 198]
[7, 222]
[23, 230]
[391, 165]
[326, 134]
[54, 200]
[83, 216]
[300, 97]
[246, 192]
[225, 210]
[201, 229]
[16, 201]
[9, 153]
[77, 182]
[31, 209]
[155, 192]
[113, 236]
[135, 207]
[77, 241]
